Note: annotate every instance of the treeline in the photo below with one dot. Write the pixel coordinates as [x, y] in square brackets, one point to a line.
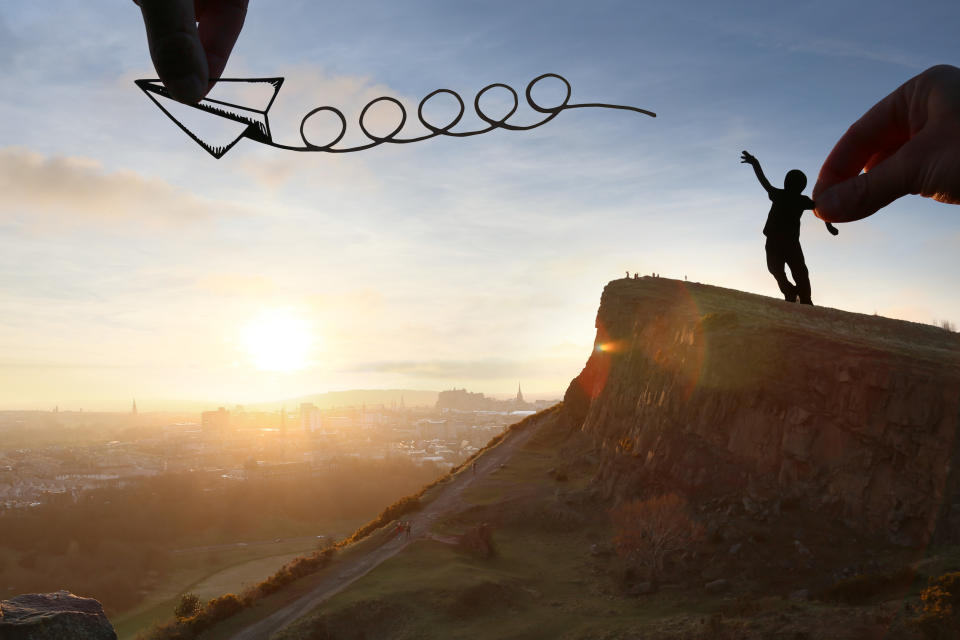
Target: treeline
[115, 542]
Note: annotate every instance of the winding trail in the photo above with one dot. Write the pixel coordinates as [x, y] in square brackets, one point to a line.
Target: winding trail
[342, 574]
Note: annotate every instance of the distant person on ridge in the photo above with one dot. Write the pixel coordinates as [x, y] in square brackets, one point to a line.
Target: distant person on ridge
[783, 231]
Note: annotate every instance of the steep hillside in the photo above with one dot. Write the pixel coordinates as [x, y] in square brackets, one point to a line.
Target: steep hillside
[712, 392]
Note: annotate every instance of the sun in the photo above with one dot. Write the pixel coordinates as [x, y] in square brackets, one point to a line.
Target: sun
[278, 340]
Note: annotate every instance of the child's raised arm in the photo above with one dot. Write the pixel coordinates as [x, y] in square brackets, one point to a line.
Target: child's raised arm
[747, 158]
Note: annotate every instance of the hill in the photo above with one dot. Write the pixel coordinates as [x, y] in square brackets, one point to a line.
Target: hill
[814, 450]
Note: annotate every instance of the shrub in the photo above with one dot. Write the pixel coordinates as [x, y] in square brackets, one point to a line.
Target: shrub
[188, 606]
[941, 608]
[296, 568]
[399, 508]
[648, 530]
[216, 610]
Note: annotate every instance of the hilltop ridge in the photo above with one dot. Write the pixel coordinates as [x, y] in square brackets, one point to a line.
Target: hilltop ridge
[709, 391]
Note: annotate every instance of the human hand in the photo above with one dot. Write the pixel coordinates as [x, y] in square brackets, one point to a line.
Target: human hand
[909, 142]
[189, 57]
[746, 158]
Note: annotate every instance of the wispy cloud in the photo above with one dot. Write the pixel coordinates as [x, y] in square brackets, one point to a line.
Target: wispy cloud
[839, 48]
[73, 190]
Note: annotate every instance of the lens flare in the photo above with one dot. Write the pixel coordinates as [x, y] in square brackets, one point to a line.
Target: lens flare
[278, 340]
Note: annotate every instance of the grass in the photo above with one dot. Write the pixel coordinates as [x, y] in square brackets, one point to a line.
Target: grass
[546, 594]
[192, 571]
[266, 605]
[536, 586]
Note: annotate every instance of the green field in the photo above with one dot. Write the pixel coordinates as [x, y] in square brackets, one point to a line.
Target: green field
[210, 573]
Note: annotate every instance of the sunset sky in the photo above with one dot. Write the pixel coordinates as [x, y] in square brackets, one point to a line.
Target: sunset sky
[132, 264]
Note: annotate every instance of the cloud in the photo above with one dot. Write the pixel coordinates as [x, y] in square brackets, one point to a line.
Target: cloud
[840, 48]
[71, 190]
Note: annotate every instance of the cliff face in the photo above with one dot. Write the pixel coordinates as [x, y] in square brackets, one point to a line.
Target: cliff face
[712, 391]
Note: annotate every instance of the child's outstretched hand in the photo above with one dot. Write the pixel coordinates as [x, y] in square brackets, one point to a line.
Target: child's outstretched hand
[746, 158]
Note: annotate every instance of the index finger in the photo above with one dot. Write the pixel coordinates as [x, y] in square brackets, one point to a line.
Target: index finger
[175, 47]
[220, 23]
[881, 130]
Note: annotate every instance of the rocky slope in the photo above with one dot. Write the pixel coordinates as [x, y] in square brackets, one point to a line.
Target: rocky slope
[712, 392]
[53, 616]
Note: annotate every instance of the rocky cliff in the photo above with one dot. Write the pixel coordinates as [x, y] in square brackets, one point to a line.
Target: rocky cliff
[712, 391]
[53, 616]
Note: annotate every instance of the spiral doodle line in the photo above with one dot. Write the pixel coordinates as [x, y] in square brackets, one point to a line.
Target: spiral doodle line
[258, 127]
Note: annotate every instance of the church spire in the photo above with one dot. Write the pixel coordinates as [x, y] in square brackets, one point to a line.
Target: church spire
[133, 410]
[520, 399]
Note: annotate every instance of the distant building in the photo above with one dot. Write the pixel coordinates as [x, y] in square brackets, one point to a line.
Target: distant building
[463, 400]
[310, 417]
[133, 410]
[218, 420]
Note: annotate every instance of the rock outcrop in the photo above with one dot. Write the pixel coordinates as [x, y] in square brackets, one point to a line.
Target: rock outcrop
[54, 616]
[713, 391]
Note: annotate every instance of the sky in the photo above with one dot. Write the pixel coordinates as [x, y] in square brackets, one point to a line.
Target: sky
[132, 264]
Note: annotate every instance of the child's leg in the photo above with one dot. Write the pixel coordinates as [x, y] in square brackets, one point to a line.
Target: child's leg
[798, 267]
[776, 263]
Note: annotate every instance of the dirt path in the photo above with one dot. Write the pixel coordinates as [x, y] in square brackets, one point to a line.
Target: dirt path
[345, 573]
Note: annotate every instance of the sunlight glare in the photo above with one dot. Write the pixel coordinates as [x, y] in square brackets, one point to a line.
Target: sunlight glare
[278, 340]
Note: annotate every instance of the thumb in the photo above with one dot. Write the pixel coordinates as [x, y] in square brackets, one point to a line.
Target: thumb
[867, 193]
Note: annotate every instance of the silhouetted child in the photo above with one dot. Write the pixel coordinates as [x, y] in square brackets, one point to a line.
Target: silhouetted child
[783, 231]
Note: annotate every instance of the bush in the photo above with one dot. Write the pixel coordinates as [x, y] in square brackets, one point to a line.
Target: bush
[649, 530]
[216, 610]
[401, 507]
[296, 568]
[188, 606]
[941, 608]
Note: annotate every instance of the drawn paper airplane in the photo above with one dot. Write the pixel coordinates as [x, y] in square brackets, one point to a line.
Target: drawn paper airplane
[216, 124]
[251, 120]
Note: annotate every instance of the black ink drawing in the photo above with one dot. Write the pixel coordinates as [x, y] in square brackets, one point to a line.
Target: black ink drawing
[258, 124]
